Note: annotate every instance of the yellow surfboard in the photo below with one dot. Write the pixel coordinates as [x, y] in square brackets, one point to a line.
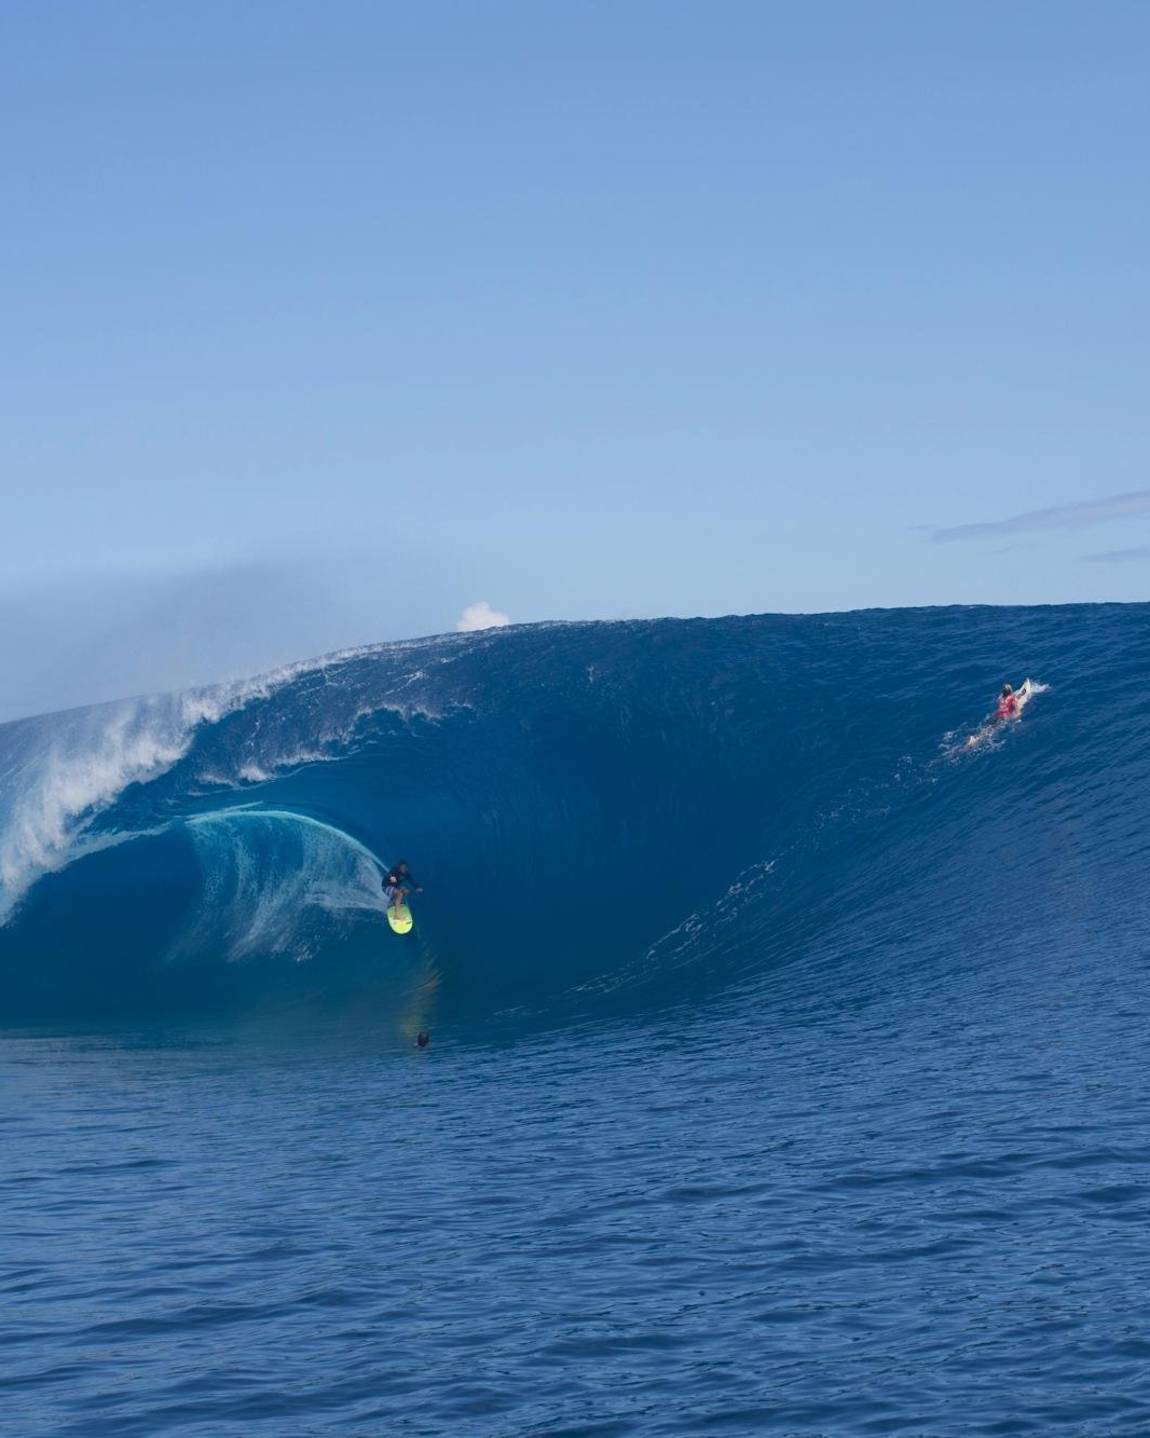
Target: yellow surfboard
[399, 917]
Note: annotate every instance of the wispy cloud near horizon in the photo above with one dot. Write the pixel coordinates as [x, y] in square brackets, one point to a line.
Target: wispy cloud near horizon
[1120, 556]
[1064, 516]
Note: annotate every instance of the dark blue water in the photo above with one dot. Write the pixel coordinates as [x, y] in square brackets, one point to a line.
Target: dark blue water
[787, 1063]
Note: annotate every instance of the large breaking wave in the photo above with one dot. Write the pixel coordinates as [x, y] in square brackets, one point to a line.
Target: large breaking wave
[600, 813]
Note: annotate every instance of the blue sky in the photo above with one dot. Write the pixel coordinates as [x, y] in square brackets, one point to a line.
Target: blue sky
[366, 312]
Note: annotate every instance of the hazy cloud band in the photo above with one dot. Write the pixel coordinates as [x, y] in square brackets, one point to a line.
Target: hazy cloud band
[1120, 556]
[1065, 516]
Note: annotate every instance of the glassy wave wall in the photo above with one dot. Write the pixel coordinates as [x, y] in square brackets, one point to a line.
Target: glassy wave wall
[603, 815]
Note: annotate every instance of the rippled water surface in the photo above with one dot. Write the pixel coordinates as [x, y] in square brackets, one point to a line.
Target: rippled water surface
[918, 1209]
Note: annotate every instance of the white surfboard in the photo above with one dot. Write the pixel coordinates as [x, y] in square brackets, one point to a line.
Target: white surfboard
[1023, 694]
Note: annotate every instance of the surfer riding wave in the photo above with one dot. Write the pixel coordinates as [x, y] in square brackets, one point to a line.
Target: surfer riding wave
[398, 882]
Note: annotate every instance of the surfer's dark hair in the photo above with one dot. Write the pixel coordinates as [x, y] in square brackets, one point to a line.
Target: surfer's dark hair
[1006, 689]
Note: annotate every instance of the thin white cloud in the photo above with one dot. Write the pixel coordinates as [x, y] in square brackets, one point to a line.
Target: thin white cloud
[1064, 516]
[480, 615]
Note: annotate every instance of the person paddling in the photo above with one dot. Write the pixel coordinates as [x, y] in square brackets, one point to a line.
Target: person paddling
[1007, 703]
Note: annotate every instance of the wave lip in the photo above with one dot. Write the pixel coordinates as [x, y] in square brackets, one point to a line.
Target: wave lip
[56, 782]
[61, 774]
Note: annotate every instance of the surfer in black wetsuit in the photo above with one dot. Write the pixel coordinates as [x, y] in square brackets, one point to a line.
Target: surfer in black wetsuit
[398, 882]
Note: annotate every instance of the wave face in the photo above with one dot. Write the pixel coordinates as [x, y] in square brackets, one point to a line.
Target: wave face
[601, 814]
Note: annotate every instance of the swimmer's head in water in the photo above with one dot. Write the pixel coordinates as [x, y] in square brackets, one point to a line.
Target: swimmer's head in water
[1007, 689]
[423, 1040]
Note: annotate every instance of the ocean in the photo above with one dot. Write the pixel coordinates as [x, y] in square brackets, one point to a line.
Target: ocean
[786, 1070]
